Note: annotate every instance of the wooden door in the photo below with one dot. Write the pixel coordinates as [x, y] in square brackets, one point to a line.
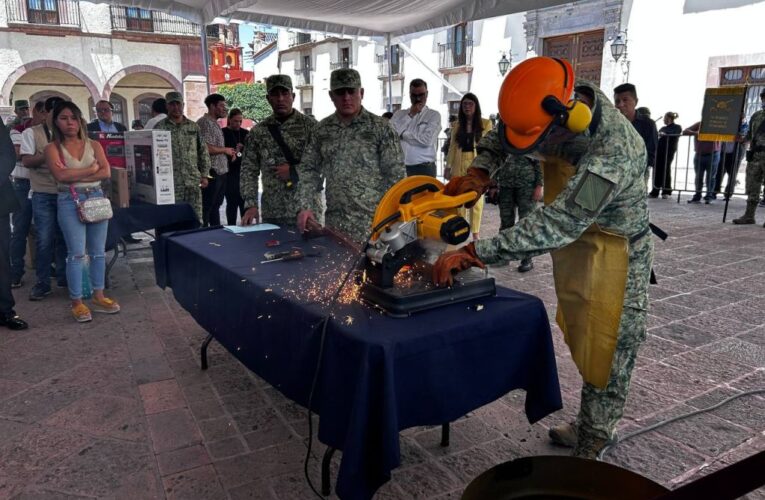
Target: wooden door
[583, 50]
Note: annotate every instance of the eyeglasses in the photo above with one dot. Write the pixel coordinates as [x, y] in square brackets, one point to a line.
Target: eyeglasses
[344, 91]
[103, 110]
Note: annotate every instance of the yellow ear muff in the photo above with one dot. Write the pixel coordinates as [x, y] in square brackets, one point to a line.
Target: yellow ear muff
[579, 116]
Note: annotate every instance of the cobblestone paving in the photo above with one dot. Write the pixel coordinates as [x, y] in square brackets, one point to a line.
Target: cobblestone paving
[119, 407]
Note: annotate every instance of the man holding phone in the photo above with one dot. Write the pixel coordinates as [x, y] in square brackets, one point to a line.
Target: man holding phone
[418, 129]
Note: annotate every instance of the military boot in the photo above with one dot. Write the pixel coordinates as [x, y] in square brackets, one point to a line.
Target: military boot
[589, 448]
[748, 217]
[526, 266]
[564, 435]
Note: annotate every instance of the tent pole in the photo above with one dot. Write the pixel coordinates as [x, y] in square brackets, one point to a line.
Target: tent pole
[388, 57]
[205, 56]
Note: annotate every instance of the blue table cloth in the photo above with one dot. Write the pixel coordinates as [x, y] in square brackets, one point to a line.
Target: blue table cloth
[144, 216]
[379, 374]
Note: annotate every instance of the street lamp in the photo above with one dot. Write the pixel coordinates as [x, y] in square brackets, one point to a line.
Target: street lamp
[619, 46]
[504, 64]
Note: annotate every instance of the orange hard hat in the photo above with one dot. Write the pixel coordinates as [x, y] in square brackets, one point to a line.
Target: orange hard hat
[531, 98]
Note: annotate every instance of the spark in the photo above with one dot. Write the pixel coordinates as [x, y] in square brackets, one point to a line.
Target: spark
[348, 320]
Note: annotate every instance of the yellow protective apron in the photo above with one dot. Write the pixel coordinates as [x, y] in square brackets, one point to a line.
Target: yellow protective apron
[590, 280]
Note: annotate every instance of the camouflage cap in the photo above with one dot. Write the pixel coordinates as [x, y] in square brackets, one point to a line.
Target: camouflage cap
[20, 104]
[344, 78]
[173, 97]
[275, 81]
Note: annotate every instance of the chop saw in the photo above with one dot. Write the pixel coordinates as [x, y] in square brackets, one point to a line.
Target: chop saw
[415, 222]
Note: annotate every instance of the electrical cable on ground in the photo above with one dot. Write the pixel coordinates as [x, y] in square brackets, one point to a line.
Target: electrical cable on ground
[662, 423]
[322, 338]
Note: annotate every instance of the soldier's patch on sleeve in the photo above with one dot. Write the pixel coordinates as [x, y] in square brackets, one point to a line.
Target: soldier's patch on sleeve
[591, 193]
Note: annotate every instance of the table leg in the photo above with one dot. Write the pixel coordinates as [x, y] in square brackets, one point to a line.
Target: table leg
[110, 265]
[445, 435]
[203, 350]
[326, 487]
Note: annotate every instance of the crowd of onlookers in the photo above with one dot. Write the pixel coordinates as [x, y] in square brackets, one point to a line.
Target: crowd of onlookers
[290, 169]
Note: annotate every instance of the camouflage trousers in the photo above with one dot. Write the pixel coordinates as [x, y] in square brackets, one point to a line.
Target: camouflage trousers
[512, 198]
[601, 409]
[192, 196]
[755, 175]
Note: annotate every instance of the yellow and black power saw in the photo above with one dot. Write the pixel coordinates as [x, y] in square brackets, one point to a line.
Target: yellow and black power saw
[413, 215]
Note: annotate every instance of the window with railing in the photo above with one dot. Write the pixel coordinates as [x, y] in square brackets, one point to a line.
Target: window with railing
[299, 39]
[134, 19]
[455, 54]
[302, 77]
[396, 62]
[48, 12]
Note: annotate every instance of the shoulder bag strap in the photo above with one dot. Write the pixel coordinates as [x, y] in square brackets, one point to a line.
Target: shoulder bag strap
[276, 133]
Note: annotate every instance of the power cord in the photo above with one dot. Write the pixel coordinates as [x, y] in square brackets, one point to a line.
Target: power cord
[322, 339]
[662, 423]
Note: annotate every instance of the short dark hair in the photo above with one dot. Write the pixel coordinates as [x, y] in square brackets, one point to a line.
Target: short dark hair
[111, 106]
[234, 112]
[418, 82]
[626, 87]
[762, 94]
[159, 105]
[387, 115]
[51, 102]
[213, 99]
[39, 106]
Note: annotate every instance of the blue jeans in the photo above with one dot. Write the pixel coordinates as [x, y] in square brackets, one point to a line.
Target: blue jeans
[706, 163]
[49, 238]
[79, 238]
[21, 220]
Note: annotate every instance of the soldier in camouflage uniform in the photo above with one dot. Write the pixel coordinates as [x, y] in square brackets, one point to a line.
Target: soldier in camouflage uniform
[520, 187]
[359, 155]
[191, 161]
[608, 189]
[263, 157]
[755, 163]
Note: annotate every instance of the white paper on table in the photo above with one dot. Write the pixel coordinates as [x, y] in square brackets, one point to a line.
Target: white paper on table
[251, 229]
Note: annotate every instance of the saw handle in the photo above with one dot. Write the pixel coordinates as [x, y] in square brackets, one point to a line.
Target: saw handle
[407, 197]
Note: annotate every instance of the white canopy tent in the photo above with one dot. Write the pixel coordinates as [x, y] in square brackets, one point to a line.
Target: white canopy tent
[390, 18]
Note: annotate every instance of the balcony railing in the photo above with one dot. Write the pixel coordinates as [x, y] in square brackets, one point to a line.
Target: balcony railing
[302, 77]
[299, 39]
[265, 36]
[47, 12]
[340, 65]
[455, 54]
[133, 19]
[397, 65]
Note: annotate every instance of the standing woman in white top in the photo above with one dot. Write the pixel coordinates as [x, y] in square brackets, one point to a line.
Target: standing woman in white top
[74, 160]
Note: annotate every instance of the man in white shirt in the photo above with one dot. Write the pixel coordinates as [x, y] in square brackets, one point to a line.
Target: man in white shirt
[158, 113]
[418, 129]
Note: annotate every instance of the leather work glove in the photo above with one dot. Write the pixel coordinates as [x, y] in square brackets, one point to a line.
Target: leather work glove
[453, 262]
[477, 180]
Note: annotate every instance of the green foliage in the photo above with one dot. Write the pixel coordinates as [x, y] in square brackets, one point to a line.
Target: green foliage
[249, 97]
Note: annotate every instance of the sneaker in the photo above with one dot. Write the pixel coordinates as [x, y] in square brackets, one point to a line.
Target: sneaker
[666, 196]
[105, 305]
[62, 283]
[653, 195]
[40, 291]
[762, 202]
[707, 201]
[81, 313]
[17, 283]
[694, 200]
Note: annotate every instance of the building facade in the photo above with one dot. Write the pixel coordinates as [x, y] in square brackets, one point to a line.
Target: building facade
[86, 52]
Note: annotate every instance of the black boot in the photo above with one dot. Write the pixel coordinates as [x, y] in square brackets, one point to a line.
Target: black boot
[526, 266]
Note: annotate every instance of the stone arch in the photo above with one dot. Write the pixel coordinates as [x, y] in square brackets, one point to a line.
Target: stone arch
[44, 94]
[43, 64]
[141, 68]
[141, 97]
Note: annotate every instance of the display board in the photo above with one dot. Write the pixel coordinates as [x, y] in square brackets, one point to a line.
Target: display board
[722, 113]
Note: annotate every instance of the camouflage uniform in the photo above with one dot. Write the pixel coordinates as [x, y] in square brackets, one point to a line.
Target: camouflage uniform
[360, 161]
[755, 169]
[517, 179]
[615, 152]
[261, 152]
[191, 161]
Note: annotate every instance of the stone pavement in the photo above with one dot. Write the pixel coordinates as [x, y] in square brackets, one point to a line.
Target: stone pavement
[119, 407]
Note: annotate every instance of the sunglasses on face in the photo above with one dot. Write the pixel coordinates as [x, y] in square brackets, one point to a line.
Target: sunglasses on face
[342, 92]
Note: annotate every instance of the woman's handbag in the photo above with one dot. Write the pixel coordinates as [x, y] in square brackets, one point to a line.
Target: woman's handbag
[93, 209]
